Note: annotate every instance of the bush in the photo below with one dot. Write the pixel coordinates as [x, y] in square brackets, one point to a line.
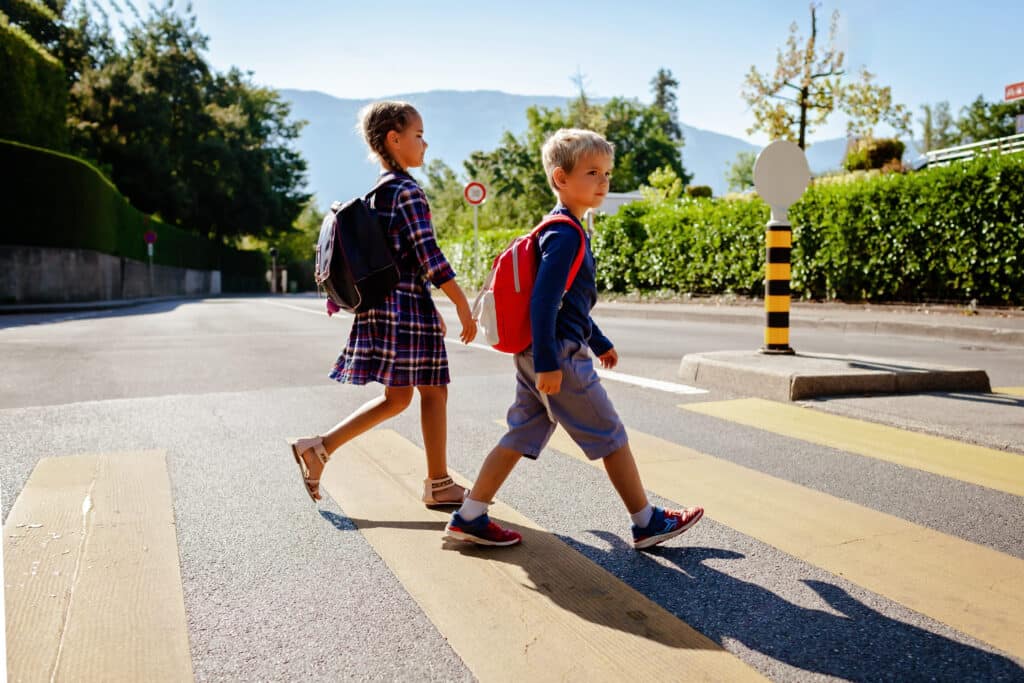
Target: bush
[698, 191]
[954, 233]
[57, 200]
[34, 90]
[871, 153]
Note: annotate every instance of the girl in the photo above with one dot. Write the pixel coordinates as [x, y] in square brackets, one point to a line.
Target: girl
[400, 343]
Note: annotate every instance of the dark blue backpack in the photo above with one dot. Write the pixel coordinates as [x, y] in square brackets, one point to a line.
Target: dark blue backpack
[355, 265]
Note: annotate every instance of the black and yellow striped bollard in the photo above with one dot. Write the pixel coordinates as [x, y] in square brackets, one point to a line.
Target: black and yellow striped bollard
[781, 175]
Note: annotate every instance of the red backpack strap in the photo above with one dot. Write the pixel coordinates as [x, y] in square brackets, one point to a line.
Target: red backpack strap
[578, 261]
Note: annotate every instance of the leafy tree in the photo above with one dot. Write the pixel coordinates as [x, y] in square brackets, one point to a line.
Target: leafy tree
[740, 175]
[981, 120]
[210, 151]
[938, 129]
[641, 144]
[809, 74]
[664, 85]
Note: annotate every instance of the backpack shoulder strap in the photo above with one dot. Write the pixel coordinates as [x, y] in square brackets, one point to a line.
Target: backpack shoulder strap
[578, 261]
[371, 196]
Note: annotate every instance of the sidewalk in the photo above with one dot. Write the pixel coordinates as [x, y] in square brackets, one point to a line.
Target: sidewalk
[995, 326]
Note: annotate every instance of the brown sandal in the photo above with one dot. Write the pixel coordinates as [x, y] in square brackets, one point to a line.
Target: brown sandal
[431, 487]
[300, 446]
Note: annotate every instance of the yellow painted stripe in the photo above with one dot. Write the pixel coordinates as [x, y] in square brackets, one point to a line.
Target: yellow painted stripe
[778, 271]
[1012, 391]
[973, 464]
[969, 587]
[776, 304]
[93, 584]
[540, 611]
[779, 238]
[776, 335]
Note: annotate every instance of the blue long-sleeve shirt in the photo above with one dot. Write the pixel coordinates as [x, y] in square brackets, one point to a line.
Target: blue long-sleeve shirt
[554, 318]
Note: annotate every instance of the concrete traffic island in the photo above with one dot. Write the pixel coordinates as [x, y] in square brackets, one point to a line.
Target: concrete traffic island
[809, 375]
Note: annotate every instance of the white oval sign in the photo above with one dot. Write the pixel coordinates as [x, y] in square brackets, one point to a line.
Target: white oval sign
[781, 173]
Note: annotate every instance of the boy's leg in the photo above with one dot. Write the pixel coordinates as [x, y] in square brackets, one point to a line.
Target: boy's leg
[622, 472]
[493, 473]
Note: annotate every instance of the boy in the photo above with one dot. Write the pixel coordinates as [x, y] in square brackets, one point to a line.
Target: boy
[556, 380]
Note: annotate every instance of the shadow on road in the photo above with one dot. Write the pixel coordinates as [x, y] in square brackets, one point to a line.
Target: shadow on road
[859, 643]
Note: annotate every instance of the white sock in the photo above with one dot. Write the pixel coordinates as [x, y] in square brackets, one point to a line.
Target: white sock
[643, 518]
[471, 509]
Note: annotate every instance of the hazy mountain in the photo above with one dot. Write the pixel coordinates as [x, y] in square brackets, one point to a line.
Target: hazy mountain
[460, 122]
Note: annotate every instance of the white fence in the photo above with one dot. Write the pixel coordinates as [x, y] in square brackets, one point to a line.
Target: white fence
[1008, 145]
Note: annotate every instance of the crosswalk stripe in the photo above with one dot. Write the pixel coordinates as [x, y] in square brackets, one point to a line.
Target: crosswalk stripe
[540, 611]
[1012, 391]
[987, 467]
[93, 584]
[969, 587]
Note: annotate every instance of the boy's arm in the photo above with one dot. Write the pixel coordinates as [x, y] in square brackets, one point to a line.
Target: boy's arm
[599, 343]
[558, 246]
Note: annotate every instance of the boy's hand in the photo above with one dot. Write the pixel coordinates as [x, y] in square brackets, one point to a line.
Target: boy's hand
[468, 325]
[609, 359]
[549, 382]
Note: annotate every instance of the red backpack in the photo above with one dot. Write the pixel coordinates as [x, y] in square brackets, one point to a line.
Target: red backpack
[503, 306]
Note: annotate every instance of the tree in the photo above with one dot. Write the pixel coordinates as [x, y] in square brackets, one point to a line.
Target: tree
[740, 175]
[641, 143]
[981, 120]
[938, 129]
[809, 73]
[664, 85]
[209, 151]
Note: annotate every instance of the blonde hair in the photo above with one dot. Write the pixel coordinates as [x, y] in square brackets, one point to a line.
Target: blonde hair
[567, 146]
[376, 120]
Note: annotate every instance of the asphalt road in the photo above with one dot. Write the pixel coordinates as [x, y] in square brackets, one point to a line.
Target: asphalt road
[275, 589]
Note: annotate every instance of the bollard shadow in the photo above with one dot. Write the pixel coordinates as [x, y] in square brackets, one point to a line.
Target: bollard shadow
[859, 643]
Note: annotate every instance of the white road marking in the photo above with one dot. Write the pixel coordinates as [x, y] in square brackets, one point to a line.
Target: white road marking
[645, 382]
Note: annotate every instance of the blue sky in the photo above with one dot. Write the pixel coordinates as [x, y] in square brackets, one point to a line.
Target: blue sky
[927, 51]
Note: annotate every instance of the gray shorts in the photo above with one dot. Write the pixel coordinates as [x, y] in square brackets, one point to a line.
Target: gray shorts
[582, 407]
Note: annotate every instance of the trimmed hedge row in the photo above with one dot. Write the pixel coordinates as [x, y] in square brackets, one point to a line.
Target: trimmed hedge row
[57, 200]
[34, 88]
[954, 233]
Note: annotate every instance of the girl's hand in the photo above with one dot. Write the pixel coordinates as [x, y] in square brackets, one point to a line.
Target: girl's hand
[549, 382]
[444, 326]
[609, 359]
[468, 325]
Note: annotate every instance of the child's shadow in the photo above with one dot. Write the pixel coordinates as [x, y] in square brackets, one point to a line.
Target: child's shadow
[569, 590]
[861, 644]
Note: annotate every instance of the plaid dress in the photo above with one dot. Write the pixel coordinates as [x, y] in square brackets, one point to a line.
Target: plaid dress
[400, 342]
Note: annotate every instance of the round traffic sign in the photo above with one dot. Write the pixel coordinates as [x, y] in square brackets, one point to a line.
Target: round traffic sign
[781, 173]
[150, 236]
[475, 193]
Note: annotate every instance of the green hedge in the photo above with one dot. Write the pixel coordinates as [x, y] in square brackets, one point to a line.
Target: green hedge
[460, 252]
[34, 90]
[57, 200]
[951, 234]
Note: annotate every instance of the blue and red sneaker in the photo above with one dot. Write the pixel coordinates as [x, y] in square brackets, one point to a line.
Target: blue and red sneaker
[665, 524]
[481, 531]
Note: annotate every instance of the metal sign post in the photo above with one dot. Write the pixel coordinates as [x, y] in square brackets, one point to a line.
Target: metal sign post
[475, 193]
[781, 175]
[150, 238]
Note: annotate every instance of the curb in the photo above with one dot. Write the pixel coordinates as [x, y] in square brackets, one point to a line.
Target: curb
[75, 307]
[995, 335]
[795, 378]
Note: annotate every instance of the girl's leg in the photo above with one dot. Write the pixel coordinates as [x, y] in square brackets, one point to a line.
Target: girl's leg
[625, 477]
[434, 422]
[369, 415]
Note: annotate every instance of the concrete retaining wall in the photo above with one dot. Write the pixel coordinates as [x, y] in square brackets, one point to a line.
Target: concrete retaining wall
[30, 275]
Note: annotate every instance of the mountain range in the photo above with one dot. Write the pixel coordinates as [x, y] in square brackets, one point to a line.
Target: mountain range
[460, 122]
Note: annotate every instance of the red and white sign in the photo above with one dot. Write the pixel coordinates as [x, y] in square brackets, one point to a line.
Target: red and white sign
[475, 193]
[149, 236]
[1015, 91]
